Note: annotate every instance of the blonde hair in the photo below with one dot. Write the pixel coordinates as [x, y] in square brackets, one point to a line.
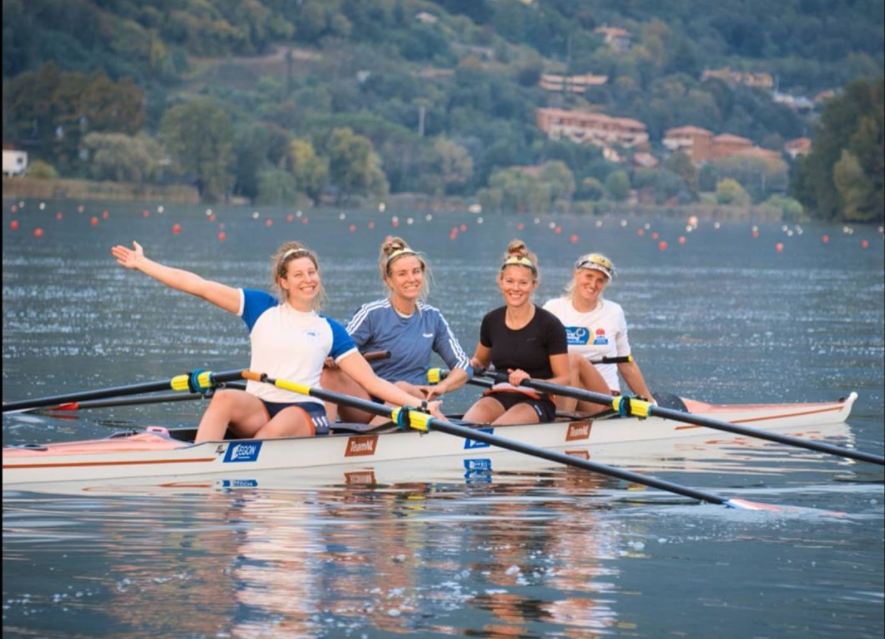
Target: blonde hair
[280, 260]
[392, 249]
[518, 254]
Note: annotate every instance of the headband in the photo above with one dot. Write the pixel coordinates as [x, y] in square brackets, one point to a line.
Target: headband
[519, 260]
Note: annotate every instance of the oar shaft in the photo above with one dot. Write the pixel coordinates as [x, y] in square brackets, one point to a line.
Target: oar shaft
[134, 401]
[495, 440]
[178, 383]
[699, 420]
[568, 460]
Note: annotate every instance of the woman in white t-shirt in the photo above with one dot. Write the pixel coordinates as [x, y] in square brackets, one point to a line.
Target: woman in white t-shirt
[595, 328]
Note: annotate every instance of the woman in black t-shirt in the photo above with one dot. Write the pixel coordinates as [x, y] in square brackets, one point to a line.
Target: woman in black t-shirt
[524, 340]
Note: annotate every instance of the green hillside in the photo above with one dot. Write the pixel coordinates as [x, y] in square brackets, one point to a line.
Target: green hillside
[345, 99]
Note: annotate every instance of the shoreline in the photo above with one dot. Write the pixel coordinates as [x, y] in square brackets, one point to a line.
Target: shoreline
[24, 188]
[64, 189]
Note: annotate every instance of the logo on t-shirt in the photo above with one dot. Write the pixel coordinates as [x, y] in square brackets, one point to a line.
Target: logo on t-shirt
[601, 339]
[577, 335]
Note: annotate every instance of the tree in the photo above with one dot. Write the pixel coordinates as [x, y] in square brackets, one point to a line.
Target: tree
[199, 136]
[618, 185]
[680, 164]
[311, 172]
[854, 187]
[277, 186]
[591, 189]
[354, 167]
[851, 122]
[729, 191]
[122, 158]
[456, 165]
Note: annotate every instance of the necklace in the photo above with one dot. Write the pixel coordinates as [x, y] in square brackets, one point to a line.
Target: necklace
[399, 312]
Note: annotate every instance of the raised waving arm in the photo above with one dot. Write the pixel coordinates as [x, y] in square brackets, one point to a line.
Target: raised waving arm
[221, 295]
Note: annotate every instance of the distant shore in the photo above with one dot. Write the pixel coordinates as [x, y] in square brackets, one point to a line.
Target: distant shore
[49, 189]
[59, 189]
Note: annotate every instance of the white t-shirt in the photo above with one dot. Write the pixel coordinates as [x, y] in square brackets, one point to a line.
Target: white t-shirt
[289, 344]
[600, 333]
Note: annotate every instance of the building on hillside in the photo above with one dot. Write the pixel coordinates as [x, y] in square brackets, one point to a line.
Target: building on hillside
[572, 83]
[796, 102]
[756, 79]
[593, 128]
[643, 160]
[426, 18]
[823, 96]
[727, 144]
[615, 37]
[797, 147]
[760, 153]
[15, 161]
[692, 140]
[702, 146]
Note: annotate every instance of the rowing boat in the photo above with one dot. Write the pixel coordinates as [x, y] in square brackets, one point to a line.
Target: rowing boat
[160, 452]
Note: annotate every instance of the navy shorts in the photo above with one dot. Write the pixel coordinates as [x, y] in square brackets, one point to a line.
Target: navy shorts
[316, 413]
[542, 404]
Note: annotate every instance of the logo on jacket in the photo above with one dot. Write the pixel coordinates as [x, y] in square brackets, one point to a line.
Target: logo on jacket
[601, 339]
[577, 335]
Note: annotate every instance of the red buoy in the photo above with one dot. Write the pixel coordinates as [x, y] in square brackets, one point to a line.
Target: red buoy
[38, 232]
[176, 228]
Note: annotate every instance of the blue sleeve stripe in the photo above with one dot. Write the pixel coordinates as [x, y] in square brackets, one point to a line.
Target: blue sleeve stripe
[360, 316]
[341, 340]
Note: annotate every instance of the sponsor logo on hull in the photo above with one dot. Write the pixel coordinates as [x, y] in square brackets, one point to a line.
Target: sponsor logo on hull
[471, 444]
[242, 452]
[578, 430]
[361, 445]
[360, 477]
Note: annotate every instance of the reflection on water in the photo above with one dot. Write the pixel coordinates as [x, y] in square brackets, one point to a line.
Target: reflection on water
[504, 547]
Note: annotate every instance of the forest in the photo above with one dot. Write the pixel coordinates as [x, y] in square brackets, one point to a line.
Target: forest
[280, 101]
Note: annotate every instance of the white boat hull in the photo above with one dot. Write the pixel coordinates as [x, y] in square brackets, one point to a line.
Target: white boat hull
[157, 454]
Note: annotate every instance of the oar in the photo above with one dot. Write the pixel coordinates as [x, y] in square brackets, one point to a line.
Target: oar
[192, 382]
[641, 408]
[413, 418]
[134, 401]
[79, 401]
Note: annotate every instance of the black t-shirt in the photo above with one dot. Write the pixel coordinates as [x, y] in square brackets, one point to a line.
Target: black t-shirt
[528, 348]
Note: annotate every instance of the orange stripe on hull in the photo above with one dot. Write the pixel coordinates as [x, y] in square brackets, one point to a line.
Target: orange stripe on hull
[769, 417]
[110, 463]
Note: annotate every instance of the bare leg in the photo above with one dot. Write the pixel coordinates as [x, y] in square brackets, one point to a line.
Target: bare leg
[289, 422]
[583, 375]
[411, 390]
[243, 412]
[519, 414]
[484, 411]
[338, 381]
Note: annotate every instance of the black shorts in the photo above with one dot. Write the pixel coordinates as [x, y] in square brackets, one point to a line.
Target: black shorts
[542, 404]
[316, 413]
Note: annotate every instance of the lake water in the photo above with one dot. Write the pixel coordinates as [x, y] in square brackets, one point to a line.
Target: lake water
[526, 549]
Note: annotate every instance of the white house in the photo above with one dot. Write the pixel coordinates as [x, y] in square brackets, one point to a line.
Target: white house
[15, 162]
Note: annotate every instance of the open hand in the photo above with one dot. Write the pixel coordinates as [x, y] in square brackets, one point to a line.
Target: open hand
[130, 258]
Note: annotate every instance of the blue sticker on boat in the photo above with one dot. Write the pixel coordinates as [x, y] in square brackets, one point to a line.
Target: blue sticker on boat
[470, 444]
[478, 464]
[239, 483]
[242, 452]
